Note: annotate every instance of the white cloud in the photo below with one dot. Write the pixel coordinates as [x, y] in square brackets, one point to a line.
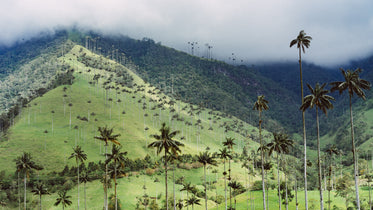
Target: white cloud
[254, 30]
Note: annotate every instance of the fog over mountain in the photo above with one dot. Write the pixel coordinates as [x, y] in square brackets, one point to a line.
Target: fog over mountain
[254, 31]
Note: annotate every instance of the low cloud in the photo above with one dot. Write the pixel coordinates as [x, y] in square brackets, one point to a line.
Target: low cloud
[252, 30]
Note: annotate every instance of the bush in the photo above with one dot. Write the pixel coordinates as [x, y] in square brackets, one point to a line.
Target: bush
[257, 185]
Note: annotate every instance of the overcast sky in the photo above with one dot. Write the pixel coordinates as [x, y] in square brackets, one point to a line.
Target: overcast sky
[254, 30]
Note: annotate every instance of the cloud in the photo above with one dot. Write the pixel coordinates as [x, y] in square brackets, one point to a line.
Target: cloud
[253, 30]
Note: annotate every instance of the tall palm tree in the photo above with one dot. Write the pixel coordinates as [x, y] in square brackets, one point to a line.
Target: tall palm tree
[116, 156]
[225, 154]
[165, 142]
[205, 158]
[237, 188]
[84, 179]
[106, 135]
[320, 100]
[330, 151]
[79, 156]
[280, 144]
[303, 41]
[63, 199]
[193, 200]
[40, 190]
[26, 165]
[260, 105]
[355, 85]
[187, 187]
[229, 143]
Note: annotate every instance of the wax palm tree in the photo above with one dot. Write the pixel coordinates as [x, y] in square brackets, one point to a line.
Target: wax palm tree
[355, 85]
[319, 99]
[260, 105]
[84, 179]
[172, 158]
[63, 199]
[303, 41]
[26, 165]
[116, 157]
[165, 142]
[40, 190]
[280, 144]
[237, 189]
[229, 143]
[193, 201]
[206, 159]
[225, 154]
[79, 156]
[188, 188]
[106, 135]
[330, 151]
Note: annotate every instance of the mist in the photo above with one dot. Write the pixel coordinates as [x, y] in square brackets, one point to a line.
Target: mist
[248, 30]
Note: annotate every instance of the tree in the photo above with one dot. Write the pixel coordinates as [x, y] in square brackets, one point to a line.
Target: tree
[303, 41]
[344, 188]
[319, 99]
[225, 154]
[192, 201]
[40, 190]
[260, 105]
[237, 189]
[116, 156]
[63, 199]
[165, 142]
[26, 165]
[330, 151]
[355, 85]
[106, 135]
[229, 143]
[188, 188]
[205, 158]
[85, 178]
[79, 156]
[280, 145]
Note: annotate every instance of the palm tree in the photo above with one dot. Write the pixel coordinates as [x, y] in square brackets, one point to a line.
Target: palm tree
[63, 199]
[40, 190]
[303, 41]
[106, 135]
[193, 200]
[320, 100]
[237, 188]
[26, 165]
[85, 178]
[79, 156]
[261, 104]
[117, 157]
[206, 158]
[330, 151]
[229, 143]
[165, 142]
[355, 85]
[172, 158]
[187, 187]
[280, 145]
[225, 154]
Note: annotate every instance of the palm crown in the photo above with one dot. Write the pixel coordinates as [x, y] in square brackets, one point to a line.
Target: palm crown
[302, 41]
[318, 98]
[353, 83]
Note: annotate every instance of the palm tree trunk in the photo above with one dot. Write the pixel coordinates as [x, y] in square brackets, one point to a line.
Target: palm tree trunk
[296, 192]
[329, 187]
[115, 185]
[77, 164]
[304, 132]
[204, 170]
[40, 201]
[229, 180]
[286, 193]
[225, 187]
[85, 198]
[24, 198]
[106, 181]
[19, 192]
[319, 159]
[355, 161]
[165, 166]
[173, 177]
[262, 159]
[278, 183]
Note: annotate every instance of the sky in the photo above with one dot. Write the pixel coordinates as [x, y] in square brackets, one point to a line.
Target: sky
[254, 31]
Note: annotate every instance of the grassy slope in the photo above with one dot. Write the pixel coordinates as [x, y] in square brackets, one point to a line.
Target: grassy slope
[52, 149]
